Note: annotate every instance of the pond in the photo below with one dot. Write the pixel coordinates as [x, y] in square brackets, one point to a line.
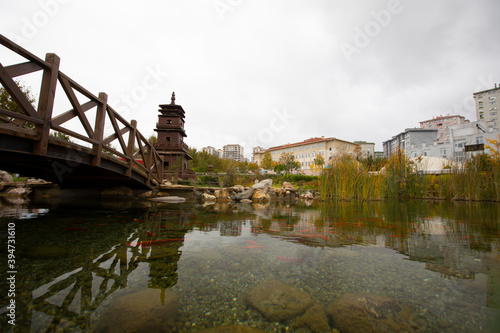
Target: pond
[414, 266]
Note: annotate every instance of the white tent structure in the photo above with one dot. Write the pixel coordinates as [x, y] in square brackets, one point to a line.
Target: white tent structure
[434, 165]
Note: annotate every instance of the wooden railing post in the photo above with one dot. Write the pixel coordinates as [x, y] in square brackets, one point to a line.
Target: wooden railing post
[46, 103]
[161, 168]
[100, 117]
[130, 146]
[149, 160]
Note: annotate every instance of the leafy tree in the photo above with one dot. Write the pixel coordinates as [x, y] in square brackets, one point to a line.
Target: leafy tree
[289, 162]
[319, 161]
[267, 162]
[253, 167]
[318, 164]
[279, 168]
[152, 139]
[7, 103]
[59, 135]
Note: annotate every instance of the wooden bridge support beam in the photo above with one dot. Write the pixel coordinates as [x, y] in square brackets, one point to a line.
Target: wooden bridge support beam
[130, 146]
[46, 103]
[99, 128]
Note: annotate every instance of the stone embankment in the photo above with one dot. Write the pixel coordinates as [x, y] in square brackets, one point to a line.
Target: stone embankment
[260, 192]
[11, 189]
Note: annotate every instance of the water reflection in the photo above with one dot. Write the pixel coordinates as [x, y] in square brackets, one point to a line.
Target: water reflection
[77, 262]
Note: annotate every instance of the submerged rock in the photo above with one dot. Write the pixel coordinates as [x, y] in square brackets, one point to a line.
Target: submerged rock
[370, 313]
[315, 318]
[150, 310]
[232, 329]
[45, 251]
[278, 301]
[117, 192]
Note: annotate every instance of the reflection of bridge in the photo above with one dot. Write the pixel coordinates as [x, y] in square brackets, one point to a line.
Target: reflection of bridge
[69, 300]
[29, 147]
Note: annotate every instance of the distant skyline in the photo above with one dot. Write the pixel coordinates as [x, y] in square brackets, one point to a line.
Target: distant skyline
[268, 73]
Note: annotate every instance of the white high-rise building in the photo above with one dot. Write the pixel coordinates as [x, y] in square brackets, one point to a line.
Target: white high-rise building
[233, 152]
[487, 104]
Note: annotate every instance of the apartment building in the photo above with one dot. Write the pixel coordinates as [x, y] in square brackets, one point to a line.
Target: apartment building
[210, 150]
[366, 149]
[404, 141]
[442, 124]
[305, 152]
[487, 102]
[257, 155]
[466, 139]
[233, 152]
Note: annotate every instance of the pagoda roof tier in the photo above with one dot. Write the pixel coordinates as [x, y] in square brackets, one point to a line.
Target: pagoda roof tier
[171, 108]
[171, 130]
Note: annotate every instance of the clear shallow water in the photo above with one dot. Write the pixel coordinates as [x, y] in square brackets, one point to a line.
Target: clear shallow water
[78, 269]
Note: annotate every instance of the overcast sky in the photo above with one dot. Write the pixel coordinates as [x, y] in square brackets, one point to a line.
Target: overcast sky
[270, 72]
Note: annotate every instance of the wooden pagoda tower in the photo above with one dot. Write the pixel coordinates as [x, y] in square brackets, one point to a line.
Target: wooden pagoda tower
[170, 143]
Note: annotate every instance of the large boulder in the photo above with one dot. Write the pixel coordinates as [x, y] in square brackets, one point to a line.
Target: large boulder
[17, 192]
[238, 188]
[245, 194]
[261, 196]
[370, 313]
[278, 301]
[222, 194]
[264, 185]
[207, 197]
[149, 310]
[5, 177]
[308, 195]
[288, 186]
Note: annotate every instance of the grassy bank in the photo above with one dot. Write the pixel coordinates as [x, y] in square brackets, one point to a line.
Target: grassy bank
[347, 179]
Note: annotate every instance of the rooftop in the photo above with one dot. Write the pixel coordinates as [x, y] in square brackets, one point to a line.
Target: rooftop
[442, 117]
[480, 92]
[305, 142]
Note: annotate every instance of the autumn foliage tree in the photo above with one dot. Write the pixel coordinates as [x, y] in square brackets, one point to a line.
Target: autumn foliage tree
[267, 162]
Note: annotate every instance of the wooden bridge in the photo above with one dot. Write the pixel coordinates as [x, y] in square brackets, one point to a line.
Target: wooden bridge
[34, 141]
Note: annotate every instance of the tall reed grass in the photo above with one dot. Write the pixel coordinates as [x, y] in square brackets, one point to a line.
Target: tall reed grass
[347, 179]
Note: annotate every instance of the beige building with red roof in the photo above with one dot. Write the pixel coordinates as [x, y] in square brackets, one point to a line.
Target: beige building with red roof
[305, 152]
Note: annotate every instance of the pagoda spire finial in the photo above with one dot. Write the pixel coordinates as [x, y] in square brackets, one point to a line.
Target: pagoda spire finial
[173, 98]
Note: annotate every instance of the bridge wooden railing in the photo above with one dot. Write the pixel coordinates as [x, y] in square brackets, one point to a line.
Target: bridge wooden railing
[41, 120]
